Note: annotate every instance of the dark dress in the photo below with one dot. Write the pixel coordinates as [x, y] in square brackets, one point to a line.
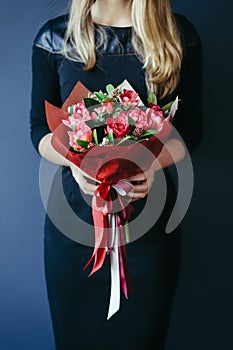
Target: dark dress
[79, 304]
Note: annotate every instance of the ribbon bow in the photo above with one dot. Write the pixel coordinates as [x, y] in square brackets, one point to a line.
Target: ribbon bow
[110, 215]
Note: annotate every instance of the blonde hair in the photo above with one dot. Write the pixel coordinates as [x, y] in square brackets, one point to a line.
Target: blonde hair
[155, 38]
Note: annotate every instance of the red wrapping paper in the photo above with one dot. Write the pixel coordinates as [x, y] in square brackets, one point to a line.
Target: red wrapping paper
[108, 165]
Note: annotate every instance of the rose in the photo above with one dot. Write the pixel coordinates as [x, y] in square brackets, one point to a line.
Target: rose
[81, 132]
[156, 116]
[140, 118]
[129, 98]
[119, 125]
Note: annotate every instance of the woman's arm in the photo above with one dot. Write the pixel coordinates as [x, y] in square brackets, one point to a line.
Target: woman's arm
[172, 152]
[45, 86]
[46, 150]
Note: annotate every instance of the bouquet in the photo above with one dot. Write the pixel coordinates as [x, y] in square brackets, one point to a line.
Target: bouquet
[108, 136]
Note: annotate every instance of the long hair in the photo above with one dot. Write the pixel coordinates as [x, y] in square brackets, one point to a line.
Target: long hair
[155, 38]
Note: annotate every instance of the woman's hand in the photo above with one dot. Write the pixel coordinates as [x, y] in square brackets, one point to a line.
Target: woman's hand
[85, 182]
[142, 183]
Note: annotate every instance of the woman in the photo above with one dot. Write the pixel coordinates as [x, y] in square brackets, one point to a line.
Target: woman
[101, 42]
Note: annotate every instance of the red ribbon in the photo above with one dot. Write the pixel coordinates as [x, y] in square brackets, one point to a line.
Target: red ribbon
[107, 200]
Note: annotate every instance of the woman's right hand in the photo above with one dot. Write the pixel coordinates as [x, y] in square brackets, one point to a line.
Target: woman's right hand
[85, 182]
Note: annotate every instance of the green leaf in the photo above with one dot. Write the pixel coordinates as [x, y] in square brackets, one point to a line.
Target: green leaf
[131, 121]
[150, 132]
[92, 123]
[110, 88]
[82, 143]
[111, 136]
[131, 124]
[115, 114]
[152, 98]
[168, 106]
[126, 138]
[127, 234]
[125, 108]
[71, 110]
[89, 102]
[95, 137]
[101, 96]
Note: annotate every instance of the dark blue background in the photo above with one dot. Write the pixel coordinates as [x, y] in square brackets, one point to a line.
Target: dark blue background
[202, 316]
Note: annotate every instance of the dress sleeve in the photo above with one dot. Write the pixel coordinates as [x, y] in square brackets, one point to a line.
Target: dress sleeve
[45, 84]
[189, 119]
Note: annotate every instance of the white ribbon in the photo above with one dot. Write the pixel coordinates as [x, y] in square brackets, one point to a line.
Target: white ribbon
[114, 304]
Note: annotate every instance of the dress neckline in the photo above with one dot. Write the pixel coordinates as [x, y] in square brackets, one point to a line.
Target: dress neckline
[105, 26]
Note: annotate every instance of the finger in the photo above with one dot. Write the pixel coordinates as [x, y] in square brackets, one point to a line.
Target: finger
[139, 177]
[141, 191]
[145, 185]
[88, 176]
[78, 172]
[141, 188]
[142, 176]
[88, 188]
[135, 196]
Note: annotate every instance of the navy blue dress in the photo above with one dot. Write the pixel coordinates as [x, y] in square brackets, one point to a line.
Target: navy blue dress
[79, 304]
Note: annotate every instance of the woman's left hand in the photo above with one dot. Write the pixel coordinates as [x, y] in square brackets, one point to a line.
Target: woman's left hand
[142, 183]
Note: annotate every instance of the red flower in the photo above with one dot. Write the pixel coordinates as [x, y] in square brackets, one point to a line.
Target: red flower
[119, 125]
[129, 98]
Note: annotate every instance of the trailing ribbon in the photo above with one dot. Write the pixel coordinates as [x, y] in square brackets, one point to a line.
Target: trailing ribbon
[110, 215]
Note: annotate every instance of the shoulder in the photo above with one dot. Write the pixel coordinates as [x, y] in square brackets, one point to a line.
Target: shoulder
[188, 32]
[50, 36]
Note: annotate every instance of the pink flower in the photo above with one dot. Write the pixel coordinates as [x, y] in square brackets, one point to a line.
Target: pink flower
[81, 132]
[119, 125]
[72, 121]
[105, 108]
[81, 114]
[129, 98]
[157, 109]
[140, 118]
[86, 115]
[78, 108]
[156, 117]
